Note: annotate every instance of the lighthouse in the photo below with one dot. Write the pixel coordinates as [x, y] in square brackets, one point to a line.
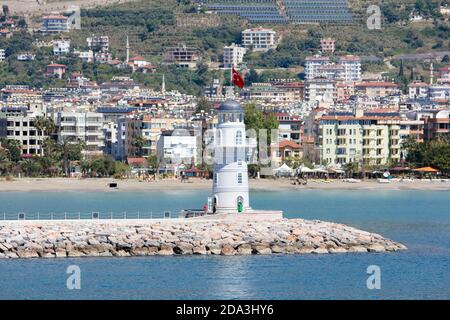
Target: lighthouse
[230, 179]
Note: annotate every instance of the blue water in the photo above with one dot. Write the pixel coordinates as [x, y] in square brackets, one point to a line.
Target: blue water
[418, 219]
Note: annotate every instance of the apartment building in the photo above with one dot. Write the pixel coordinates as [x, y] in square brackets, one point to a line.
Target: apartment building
[55, 23]
[437, 122]
[377, 89]
[328, 45]
[181, 146]
[18, 124]
[290, 127]
[259, 39]
[76, 126]
[320, 90]
[61, 47]
[313, 66]
[101, 42]
[351, 66]
[362, 138]
[183, 56]
[154, 126]
[233, 55]
[348, 69]
[2, 55]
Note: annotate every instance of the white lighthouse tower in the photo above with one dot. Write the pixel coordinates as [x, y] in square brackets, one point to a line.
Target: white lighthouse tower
[230, 185]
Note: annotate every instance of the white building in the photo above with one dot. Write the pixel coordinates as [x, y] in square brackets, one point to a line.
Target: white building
[101, 42]
[351, 68]
[259, 39]
[55, 23]
[178, 147]
[2, 55]
[81, 126]
[233, 55]
[26, 57]
[313, 66]
[61, 47]
[20, 127]
[230, 182]
[86, 56]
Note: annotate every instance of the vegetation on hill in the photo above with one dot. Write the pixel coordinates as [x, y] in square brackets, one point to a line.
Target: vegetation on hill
[155, 25]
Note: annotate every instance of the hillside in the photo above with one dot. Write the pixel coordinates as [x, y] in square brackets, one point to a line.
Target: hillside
[155, 25]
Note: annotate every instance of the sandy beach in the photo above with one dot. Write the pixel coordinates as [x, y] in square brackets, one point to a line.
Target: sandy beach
[86, 185]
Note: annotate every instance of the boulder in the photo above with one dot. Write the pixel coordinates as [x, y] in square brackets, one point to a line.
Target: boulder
[244, 249]
[357, 249]
[165, 251]
[320, 250]
[228, 250]
[278, 249]
[60, 253]
[183, 248]
[261, 249]
[376, 248]
[337, 250]
[199, 250]
[27, 254]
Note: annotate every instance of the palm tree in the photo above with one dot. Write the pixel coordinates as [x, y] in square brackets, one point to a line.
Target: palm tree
[70, 151]
[45, 126]
[85, 167]
[138, 143]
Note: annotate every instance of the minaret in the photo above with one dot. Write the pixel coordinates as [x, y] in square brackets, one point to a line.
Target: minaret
[128, 51]
[163, 84]
[431, 73]
[230, 181]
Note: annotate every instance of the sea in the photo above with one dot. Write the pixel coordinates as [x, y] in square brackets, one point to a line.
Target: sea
[418, 219]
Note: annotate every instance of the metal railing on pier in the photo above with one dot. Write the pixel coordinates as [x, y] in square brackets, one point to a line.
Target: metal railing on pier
[95, 215]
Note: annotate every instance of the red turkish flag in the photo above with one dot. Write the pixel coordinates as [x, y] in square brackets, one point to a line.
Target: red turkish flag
[237, 79]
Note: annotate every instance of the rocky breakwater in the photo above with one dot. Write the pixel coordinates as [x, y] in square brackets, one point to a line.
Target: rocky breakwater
[52, 239]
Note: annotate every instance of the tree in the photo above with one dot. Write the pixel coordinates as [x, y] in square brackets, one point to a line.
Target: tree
[13, 149]
[70, 151]
[251, 77]
[138, 143]
[351, 168]
[257, 121]
[121, 170]
[45, 126]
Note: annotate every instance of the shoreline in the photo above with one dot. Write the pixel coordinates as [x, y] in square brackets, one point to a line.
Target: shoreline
[101, 185]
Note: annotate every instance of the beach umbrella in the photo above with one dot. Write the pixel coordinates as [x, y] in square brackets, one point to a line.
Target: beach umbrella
[306, 170]
[426, 169]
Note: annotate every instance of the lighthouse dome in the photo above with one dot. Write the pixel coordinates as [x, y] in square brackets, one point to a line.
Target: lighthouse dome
[230, 106]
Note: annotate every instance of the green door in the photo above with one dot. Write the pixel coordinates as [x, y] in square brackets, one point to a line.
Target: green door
[240, 204]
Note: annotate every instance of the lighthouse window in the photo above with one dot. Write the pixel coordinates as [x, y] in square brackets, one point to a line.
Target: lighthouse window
[216, 178]
[239, 137]
[240, 178]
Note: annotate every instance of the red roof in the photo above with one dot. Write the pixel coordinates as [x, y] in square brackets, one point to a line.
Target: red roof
[377, 84]
[56, 65]
[137, 58]
[136, 161]
[54, 16]
[343, 118]
[288, 143]
[418, 84]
